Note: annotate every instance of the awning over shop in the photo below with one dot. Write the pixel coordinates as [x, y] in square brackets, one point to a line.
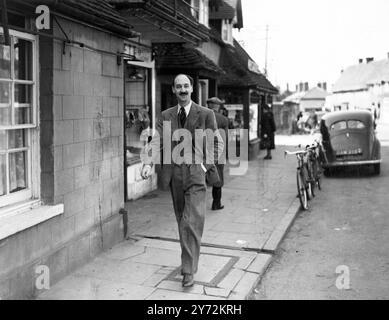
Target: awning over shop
[94, 12]
[163, 21]
[172, 57]
[235, 61]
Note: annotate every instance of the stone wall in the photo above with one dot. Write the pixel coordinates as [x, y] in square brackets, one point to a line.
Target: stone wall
[81, 137]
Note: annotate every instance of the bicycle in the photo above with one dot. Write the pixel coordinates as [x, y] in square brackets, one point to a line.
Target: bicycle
[303, 186]
[314, 165]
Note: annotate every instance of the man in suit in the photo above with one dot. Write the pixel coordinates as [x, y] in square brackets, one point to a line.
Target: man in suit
[215, 104]
[186, 173]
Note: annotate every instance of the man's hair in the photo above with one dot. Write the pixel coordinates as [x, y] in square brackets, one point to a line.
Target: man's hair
[183, 74]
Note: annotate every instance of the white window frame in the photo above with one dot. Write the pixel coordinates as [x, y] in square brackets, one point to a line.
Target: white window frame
[200, 10]
[227, 26]
[33, 157]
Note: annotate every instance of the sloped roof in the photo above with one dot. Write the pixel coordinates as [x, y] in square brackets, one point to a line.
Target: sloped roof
[225, 11]
[357, 77]
[175, 16]
[173, 56]
[96, 12]
[312, 94]
[295, 97]
[315, 94]
[234, 61]
[228, 9]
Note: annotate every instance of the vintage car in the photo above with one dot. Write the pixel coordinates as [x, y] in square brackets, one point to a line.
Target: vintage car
[349, 139]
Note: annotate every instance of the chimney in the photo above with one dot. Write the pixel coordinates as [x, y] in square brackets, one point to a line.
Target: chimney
[370, 59]
[301, 86]
[306, 86]
[287, 87]
[297, 87]
[319, 85]
[324, 86]
[388, 55]
[360, 61]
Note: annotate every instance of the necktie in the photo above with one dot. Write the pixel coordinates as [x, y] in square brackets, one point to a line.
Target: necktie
[182, 116]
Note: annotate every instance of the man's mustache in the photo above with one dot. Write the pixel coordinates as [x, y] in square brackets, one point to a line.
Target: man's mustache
[183, 93]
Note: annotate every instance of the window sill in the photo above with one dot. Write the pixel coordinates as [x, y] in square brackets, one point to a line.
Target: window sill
[14, 221]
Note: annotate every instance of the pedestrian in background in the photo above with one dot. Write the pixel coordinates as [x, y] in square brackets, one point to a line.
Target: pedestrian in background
[268, 127]
[216, 104]
[187, 180]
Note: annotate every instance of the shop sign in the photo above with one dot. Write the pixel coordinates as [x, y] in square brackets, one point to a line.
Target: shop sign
[234, 106]
[140, 53]
[253, 67]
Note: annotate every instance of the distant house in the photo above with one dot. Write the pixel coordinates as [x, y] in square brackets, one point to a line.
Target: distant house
[362, 86]
[313, 100]
[305, 100]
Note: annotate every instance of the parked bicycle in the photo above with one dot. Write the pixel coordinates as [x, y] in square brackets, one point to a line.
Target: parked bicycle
[314, 162]
[304, 187]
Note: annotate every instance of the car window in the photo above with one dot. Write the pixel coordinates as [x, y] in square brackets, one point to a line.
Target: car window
[340, 125]
[355, 124]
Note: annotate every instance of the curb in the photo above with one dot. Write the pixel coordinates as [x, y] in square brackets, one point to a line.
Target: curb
[280, 231]
[272, 245]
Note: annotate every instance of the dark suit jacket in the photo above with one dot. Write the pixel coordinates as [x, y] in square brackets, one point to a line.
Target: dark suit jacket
[222, 125]
[198, 118]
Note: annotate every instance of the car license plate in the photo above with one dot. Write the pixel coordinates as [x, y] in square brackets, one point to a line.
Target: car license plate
[349, 152]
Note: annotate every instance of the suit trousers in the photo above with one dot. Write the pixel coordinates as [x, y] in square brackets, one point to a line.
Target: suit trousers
[188, 191]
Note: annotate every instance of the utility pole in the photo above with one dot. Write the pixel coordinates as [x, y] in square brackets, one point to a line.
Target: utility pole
[267, 37]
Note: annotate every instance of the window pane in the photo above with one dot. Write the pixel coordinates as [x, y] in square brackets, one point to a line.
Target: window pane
[23, 59]
[355, 124]
[3, 175]
[5, 103]
[341, 125]
[5, 60]
[23, 103]
[16, 139]
[17, 171]
[3, 140]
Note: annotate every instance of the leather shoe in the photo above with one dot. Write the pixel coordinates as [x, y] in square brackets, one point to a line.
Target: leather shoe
[217, 207]
[188, 280]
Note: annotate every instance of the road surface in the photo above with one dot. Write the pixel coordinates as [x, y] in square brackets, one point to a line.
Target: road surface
[339, 249]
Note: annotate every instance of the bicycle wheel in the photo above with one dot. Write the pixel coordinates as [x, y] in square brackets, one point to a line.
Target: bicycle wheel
[307, 182]
[313, 175]
[302, 192]
[318, 173]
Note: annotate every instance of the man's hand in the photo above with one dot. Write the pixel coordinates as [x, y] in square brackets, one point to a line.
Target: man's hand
[146, 171]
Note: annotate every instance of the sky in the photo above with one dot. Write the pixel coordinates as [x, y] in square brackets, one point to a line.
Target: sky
[313, 40]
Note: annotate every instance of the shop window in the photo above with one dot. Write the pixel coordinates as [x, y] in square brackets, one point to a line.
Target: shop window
[253, 121]
[137, 110]
[18, 132]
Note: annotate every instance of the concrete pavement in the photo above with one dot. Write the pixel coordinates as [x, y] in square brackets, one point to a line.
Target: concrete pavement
[238, 242]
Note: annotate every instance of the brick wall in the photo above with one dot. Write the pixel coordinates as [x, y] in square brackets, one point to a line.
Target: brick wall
[81, 100]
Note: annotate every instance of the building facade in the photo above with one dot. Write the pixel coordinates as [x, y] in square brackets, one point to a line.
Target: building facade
[362, 86]
[61, 139]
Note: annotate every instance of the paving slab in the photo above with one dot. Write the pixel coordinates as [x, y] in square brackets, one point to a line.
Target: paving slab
[259, 209]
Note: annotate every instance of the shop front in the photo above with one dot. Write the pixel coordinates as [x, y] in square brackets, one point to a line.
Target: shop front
[139, 115]
[245, 90]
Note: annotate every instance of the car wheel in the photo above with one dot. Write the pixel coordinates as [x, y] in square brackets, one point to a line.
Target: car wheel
[377, 168]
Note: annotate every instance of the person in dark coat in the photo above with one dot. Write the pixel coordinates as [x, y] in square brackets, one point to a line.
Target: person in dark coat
[215, 104]
[268, 127]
